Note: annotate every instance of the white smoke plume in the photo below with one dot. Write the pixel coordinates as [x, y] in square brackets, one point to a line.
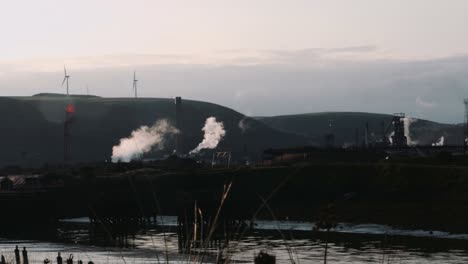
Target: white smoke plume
[439, 142]
[142, 140]
[390, 139]
[243, 124]
[214, 132]
[408, 121]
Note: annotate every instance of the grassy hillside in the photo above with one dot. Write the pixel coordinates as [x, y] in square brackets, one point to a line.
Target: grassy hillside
[32, 127]
[346, 124]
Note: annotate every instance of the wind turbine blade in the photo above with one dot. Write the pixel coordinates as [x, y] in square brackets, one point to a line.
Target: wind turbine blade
[134, 75]
[65, 70]
[64, 79]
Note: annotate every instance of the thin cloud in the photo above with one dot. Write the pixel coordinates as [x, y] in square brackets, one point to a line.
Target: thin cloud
[239, 57]
[425, 104]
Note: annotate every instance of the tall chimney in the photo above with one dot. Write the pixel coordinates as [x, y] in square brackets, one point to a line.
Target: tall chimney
[465, 129]
[399, 139]
[178, 119]
[69, 111]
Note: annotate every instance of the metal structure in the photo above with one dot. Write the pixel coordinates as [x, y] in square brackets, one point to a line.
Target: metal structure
[330, 136]
[385, 139]
[399, 139]
[135, 90]
[69, 112]
[65, 79]
[220, 155]
[178, 120]
[465, 130]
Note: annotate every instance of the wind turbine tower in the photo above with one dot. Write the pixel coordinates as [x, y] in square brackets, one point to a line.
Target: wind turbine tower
[65, 79]
[135, 90]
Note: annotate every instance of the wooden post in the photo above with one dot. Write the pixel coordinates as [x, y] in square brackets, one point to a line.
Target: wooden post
[17, 256]
[59, 259]
[25, 256]
[70, 259]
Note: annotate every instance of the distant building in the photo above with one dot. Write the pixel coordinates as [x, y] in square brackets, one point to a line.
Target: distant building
[6, 184]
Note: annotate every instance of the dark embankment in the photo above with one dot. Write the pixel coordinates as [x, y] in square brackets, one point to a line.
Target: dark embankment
[413, 196]
[32, 127]
[409, 195]
[315, 125]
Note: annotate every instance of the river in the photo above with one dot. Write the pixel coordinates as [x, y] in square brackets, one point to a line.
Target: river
[290, 242]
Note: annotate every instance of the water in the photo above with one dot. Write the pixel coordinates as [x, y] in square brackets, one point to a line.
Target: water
[288, 241]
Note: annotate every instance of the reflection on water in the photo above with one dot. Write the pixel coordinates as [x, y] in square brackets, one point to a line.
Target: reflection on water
[295, 241]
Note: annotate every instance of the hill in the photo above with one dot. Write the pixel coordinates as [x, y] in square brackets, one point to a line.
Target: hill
[32, 127]
[345, 126]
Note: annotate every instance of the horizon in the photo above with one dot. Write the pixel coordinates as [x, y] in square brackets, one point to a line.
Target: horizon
[92, 96]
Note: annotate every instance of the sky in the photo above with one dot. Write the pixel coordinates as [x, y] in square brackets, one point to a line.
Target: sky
[263, 57]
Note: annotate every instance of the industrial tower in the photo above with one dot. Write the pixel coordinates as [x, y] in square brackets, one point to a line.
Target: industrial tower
[178, 120]
[465, 127]
[69, 112]
[330, 136]
[399, 139]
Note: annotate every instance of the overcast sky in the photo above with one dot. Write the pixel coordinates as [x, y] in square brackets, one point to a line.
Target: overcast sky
[262, 57]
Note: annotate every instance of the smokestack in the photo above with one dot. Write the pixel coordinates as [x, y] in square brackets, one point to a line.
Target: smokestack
[399, 139]
[178, 116]
[465, 130]
[69, 111]
[330, 136]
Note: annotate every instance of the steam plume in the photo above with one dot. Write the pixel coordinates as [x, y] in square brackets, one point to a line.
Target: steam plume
[408, 122]
[390, 139]
[214, 132]
[142, 141]
[244, 124]
[439, 142]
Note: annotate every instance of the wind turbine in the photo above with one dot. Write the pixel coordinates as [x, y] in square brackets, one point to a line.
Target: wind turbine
[135, 84]
[65, 79]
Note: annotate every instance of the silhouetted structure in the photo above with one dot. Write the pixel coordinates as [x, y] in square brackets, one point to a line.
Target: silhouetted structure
[399, 139]
[135, 89]
[59, 259]
[6, 184]
[17, 255]
[25, 256]
[69, 112]
[219, 157]
[330, 136]
[65, 79]
[178, 117]
[385, 139]
[264, 258]
[465, 137]
[70, 259]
